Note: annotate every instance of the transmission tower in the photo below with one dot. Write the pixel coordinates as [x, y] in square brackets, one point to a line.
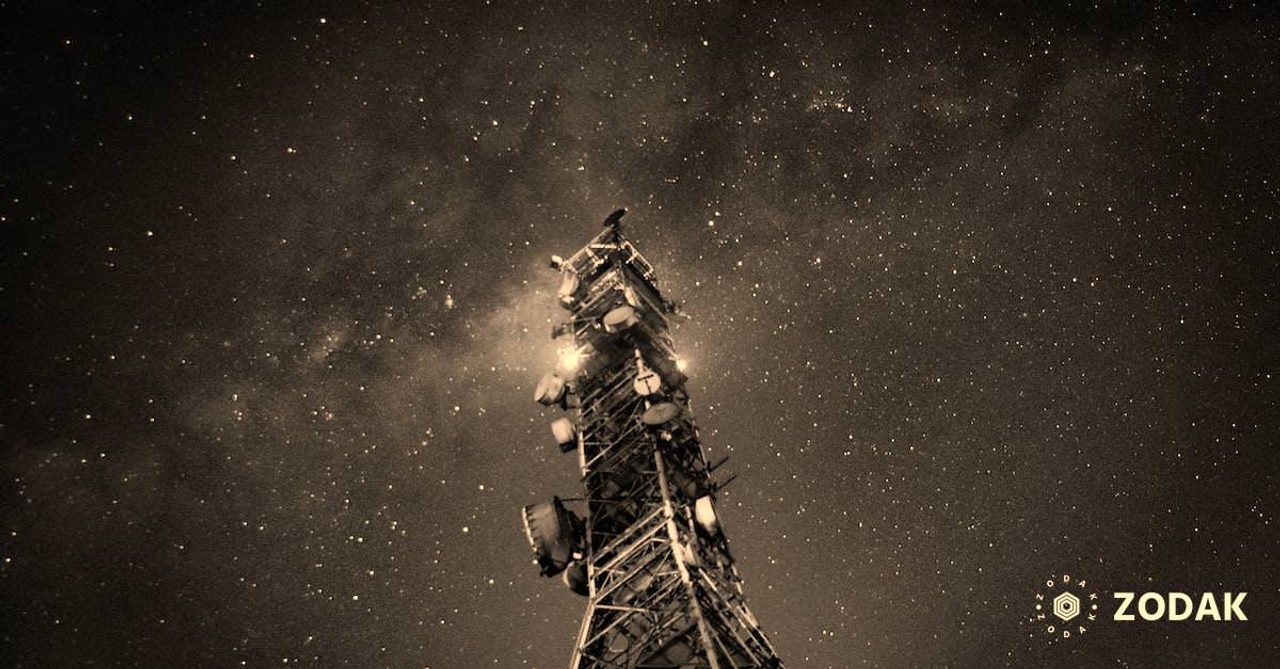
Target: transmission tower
[649, 553]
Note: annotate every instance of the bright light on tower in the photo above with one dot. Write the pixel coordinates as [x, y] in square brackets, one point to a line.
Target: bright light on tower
[570, 356]
[681, 363]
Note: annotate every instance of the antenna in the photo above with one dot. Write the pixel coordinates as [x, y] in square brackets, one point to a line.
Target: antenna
[614, 220]
[650, 555]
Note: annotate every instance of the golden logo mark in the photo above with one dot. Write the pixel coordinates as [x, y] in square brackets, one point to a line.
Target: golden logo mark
[1068, 599]
[1066, 606]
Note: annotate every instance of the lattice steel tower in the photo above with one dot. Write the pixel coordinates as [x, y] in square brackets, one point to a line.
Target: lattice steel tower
[650, 554]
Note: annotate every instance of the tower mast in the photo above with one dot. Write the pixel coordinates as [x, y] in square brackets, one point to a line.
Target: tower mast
[650, 554]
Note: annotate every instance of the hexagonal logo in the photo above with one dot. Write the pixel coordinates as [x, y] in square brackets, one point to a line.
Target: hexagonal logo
[1066, 606]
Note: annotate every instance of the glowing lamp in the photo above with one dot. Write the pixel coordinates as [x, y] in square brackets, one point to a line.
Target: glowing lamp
[570, 356]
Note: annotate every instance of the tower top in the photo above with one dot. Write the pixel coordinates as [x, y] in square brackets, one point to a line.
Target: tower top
[649, 551]
[614, 221]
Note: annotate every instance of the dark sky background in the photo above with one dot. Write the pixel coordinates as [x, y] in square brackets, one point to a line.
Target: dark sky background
[978, 296]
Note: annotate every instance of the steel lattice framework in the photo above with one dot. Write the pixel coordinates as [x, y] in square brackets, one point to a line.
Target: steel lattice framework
[651, 556]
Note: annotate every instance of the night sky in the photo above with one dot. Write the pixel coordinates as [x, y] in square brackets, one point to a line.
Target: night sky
[978, 296]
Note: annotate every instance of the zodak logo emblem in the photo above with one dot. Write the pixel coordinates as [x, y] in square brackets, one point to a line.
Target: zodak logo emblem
[1065, 607]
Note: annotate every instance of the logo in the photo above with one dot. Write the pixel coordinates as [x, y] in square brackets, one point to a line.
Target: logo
[1065, 607]
[1154, 606]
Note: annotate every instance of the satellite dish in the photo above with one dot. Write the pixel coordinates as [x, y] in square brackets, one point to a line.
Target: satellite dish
[620, 319]
[660, 413]
[565, 434]
[575, 578]
[550, 390]
[554, 534]
[647, 381]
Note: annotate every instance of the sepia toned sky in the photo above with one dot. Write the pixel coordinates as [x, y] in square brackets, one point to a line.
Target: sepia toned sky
[979, 296]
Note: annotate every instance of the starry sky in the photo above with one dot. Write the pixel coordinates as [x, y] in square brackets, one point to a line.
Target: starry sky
[978, 295]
